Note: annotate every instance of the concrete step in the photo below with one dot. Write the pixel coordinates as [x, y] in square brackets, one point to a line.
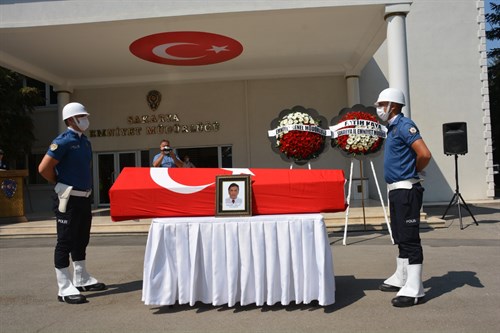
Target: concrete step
[359, 219]
[371, 218]
[100, 225]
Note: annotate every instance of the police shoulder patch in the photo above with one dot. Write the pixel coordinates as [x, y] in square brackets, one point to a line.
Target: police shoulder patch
[53, 146]
[413, 130]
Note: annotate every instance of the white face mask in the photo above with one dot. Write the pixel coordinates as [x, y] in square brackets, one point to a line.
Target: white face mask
[83, 123]
[384, 116]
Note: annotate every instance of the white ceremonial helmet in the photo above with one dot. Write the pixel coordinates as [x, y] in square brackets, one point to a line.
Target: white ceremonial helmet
[73, 109]
[391, 95]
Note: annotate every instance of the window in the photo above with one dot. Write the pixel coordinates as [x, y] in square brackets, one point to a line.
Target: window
[145, 161]
[46, 91]
[33, 162]
[208, 157]
[52, 96]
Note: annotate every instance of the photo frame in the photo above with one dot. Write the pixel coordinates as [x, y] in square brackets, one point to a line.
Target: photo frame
[233, 196]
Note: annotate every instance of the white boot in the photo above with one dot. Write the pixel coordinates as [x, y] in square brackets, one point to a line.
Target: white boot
[81, 277]
[413, 286]
[66, 288]
[398, 279]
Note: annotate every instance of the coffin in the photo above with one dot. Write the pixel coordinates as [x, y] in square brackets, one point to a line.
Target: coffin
[161, 192]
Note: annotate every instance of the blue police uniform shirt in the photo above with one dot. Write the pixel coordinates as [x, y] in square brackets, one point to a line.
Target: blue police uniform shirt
[74, 153]
[399, 158]
[166, 162]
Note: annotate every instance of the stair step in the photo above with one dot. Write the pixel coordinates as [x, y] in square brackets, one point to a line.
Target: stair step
[371, 219]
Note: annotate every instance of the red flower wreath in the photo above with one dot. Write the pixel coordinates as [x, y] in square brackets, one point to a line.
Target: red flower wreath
[300, 145]
[298, 135]
[358, 133]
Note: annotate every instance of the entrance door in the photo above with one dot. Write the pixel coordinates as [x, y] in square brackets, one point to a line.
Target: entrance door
[109, 166]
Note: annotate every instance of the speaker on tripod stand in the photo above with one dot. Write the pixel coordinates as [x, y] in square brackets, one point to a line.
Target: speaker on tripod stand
[455, 143]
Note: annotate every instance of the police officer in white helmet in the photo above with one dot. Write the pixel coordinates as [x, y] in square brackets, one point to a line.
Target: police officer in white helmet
[405, 155]
[67, 164]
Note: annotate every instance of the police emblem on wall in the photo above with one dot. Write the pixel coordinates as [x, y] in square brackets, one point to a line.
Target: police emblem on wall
[154, 99]
[9, 187]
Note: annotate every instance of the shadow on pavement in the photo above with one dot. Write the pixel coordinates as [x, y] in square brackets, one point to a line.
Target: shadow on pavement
[200, 307]
[480, 212]
[348, 291]
[122, 288]
[369, 235]
[440, 285]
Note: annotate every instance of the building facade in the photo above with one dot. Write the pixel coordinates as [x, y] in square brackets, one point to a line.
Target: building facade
[324, 55]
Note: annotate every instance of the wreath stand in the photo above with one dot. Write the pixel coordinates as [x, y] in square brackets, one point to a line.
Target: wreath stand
[362, 199]
[308, 165]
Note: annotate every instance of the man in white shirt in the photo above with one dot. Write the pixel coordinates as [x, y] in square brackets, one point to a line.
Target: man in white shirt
[233, 202]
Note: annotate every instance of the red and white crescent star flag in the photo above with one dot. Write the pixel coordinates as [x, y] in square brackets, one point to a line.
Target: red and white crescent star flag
[161, 192]
[186, 48]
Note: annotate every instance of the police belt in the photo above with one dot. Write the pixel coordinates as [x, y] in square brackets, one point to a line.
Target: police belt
[65, 191]
[77, 193]
[403, 184]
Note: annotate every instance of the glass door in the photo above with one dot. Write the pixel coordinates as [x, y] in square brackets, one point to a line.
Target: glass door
[109, 166]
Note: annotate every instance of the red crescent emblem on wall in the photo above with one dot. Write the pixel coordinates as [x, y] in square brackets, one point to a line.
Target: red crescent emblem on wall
[186, 48]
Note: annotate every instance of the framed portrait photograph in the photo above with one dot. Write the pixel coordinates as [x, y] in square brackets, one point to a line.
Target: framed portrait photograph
[233, 196]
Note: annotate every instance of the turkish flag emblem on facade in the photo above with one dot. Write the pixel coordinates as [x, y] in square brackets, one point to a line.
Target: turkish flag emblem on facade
[186, 48]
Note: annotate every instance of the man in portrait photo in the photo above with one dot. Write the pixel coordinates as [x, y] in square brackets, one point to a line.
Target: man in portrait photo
[233, 202]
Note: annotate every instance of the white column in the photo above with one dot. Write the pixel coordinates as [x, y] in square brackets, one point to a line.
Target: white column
[395, 16]
[63, 98]
[352, 82]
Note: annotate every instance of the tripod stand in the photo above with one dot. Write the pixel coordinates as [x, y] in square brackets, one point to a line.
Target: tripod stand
[457, 197]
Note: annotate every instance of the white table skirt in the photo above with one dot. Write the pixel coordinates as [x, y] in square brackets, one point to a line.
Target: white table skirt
[258, 259]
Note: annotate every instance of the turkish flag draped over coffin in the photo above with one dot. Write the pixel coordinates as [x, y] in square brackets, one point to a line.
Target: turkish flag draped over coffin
[162, 192]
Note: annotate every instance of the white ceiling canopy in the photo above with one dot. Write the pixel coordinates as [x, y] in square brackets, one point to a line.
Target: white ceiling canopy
[338, 39]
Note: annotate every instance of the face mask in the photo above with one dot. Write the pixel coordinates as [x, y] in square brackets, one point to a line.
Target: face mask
[384, 116]
[83, 123]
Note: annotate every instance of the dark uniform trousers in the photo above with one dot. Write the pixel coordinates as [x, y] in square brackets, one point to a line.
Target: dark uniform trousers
[73, 230]
[405, 222]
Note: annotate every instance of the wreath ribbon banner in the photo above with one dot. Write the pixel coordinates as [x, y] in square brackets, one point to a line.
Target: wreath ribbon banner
[358, 122]
[303, 128]
[374, 128]
[347, 131]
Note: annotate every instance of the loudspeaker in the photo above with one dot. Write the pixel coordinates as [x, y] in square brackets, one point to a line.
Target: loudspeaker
[455, 138]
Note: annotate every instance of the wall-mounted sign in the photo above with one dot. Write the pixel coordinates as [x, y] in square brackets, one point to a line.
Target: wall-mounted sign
[156, 124]
[154, 99]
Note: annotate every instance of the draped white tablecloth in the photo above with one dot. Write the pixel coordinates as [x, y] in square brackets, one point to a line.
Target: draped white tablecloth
[258, 259]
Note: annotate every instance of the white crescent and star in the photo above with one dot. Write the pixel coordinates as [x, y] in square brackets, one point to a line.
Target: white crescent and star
[186, 48]
[162, 177]
[162, 51]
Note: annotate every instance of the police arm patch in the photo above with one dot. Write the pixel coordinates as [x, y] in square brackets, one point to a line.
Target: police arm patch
[53, 146]
[413, 130]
